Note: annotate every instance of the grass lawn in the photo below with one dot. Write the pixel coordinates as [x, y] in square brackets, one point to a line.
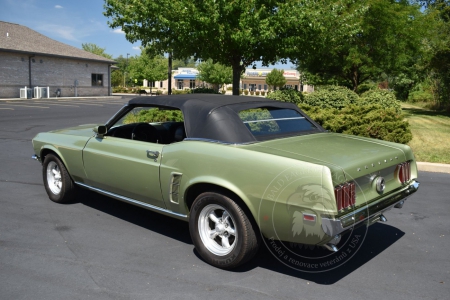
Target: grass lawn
[431, 134]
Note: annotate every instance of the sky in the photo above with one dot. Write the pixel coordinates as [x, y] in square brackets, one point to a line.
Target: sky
[74, 23]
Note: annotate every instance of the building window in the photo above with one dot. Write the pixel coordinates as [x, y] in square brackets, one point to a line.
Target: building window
[245, 86]
[259, 87]
[192, 83]
[151, 84]
[160, 84]
[180, 84]
[97, 79]
[265, 87]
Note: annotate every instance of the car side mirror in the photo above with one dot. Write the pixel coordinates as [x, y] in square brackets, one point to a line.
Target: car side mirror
[100, 130]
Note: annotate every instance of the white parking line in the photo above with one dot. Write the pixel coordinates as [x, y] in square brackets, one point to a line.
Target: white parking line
[80, 103]
[92, 102]
[55, 104]
[20, 105]
[6, 108]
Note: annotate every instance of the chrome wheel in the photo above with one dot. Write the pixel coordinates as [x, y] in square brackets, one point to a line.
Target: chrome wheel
[217, 230]
[54, 180]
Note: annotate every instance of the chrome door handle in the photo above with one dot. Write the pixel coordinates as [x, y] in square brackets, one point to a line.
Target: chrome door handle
[153, 154]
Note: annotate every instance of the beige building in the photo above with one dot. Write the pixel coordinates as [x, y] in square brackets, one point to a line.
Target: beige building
[183, 78]
[255, 80]
[28, 58]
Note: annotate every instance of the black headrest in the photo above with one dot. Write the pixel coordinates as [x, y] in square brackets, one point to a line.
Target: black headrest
[179, 134]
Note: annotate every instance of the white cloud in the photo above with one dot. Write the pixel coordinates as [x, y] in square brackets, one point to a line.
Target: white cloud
[137, 48]
[58, 6]
[65, 32]
[118, 30]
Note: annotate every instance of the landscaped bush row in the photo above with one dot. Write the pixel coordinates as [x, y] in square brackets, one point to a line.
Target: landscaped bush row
[154, 115]
[135, 90]
[376, 113]
[337, 97]
[203, 90]
[370, 120]
[289, 95]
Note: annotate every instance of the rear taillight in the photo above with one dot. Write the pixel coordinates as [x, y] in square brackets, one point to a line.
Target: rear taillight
[403, 172]
[345, 195]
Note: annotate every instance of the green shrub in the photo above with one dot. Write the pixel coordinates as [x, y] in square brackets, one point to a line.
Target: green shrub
[290, 95]
[420, 96]
[203, 90]
[154, 115]
[331, 97]
[246, 92]
[257, 93]
[263, 93]
[384, 98]
[259, 114]
[372, 121]
[229, 88]
[362, 88]
[252, 92]
[180, 92]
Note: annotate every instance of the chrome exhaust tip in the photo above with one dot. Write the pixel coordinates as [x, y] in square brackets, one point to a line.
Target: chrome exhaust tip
[383, 218]
[331, 247]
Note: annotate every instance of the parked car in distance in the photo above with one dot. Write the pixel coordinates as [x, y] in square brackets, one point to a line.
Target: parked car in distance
[238, 169]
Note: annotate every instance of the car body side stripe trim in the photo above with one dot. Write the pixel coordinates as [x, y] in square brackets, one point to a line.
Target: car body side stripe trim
[135, 202]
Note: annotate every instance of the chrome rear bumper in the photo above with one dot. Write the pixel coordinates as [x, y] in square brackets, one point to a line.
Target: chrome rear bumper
[369, 214]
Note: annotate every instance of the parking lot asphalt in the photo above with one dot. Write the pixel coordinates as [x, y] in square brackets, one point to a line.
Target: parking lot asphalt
[100, 248]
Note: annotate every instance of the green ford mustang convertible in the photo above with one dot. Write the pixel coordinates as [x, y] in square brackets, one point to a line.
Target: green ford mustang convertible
[238, 169]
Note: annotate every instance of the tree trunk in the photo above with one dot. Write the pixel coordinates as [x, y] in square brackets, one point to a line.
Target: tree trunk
[169, 75]
[237, 69]
[355, 79]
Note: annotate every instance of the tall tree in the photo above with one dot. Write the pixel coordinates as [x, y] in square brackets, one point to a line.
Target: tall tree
[215, 73]
[144, 67]
[234, 33]
[183, 63]
[438, 43]
[276, 78]
[93, 48]
[390, 36]
[117, 77]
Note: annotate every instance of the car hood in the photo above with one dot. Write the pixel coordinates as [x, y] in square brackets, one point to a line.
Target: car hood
[354, 156]
[82, 130]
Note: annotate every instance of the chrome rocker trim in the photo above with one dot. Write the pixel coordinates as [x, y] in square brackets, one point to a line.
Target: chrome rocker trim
[135, 202]
[369, 214]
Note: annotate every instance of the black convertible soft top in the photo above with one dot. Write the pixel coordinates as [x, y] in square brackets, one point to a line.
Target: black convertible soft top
[214, 117]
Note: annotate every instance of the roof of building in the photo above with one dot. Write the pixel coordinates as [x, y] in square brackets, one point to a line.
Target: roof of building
[18, 38]
[214, 117]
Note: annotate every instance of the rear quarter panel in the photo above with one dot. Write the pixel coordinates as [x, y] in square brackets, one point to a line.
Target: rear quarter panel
[274, 188]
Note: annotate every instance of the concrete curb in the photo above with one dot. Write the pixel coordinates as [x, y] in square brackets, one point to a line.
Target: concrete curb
[433, 167]
[63, 98]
